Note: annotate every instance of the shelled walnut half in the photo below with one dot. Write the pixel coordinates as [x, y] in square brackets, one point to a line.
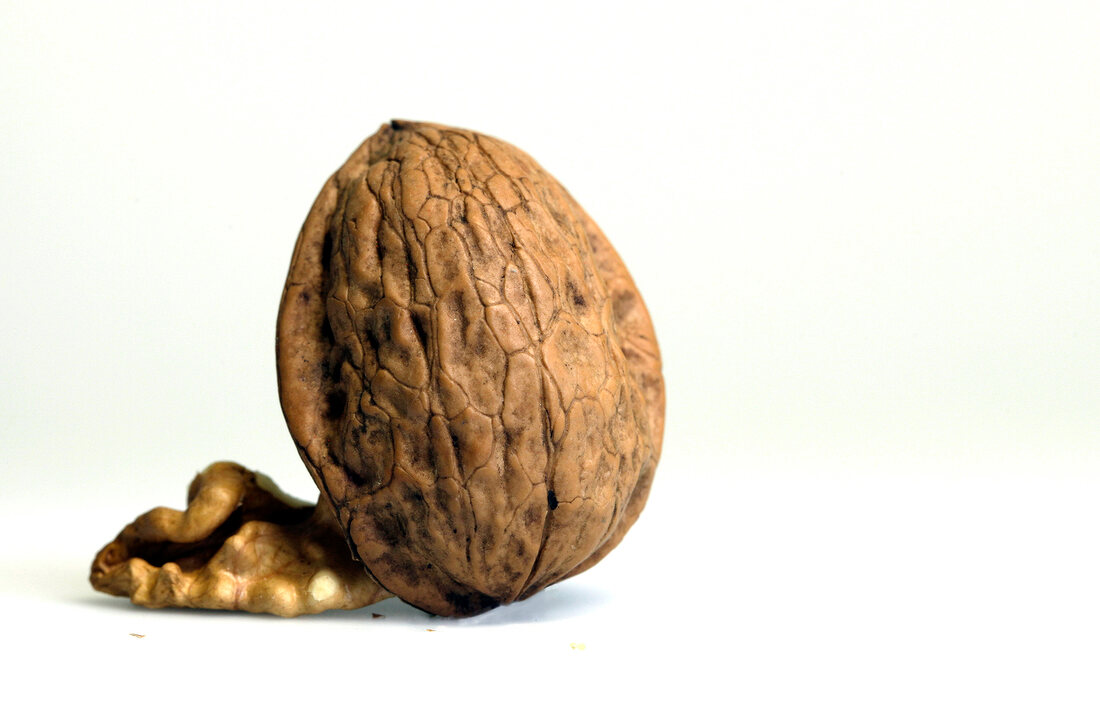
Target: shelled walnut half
[468, 371]
[241, 544]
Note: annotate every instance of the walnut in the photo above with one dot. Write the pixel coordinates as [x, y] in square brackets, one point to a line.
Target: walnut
[467, 369]
[242, 544]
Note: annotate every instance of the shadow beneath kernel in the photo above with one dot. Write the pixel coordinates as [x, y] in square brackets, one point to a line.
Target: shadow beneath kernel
[68, 583]
[558, 603]
[391, 611]
[122, 605]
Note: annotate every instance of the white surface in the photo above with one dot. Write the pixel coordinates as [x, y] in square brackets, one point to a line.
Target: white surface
[766, 584]
[868, 237]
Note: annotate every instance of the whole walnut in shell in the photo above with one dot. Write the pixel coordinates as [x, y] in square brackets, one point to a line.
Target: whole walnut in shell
[467, 370]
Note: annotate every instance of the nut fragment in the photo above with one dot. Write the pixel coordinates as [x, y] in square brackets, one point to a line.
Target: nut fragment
[467, 369]
[241, 544]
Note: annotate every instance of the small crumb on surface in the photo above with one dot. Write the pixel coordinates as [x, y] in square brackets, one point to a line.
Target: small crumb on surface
[429, 630]
[134, 634]
[377, 615]
[576, 645]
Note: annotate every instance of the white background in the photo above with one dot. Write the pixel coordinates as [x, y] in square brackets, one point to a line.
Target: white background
[869, 236]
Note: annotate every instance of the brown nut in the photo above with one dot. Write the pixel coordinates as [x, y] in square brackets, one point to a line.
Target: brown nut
[467, 369]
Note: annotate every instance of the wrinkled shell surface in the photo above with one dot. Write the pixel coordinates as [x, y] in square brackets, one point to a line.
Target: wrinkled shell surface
[241, 544]
[467, 369]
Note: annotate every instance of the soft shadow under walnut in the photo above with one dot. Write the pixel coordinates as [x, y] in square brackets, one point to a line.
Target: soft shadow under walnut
[241, 544]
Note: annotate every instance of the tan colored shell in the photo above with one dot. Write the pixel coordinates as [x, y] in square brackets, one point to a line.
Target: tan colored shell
[467, 369]
[241, 544]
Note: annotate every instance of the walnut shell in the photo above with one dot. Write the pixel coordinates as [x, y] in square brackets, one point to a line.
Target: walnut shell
[467, 369]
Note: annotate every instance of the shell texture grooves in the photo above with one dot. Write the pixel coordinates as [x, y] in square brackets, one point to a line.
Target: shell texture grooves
[467, 369]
